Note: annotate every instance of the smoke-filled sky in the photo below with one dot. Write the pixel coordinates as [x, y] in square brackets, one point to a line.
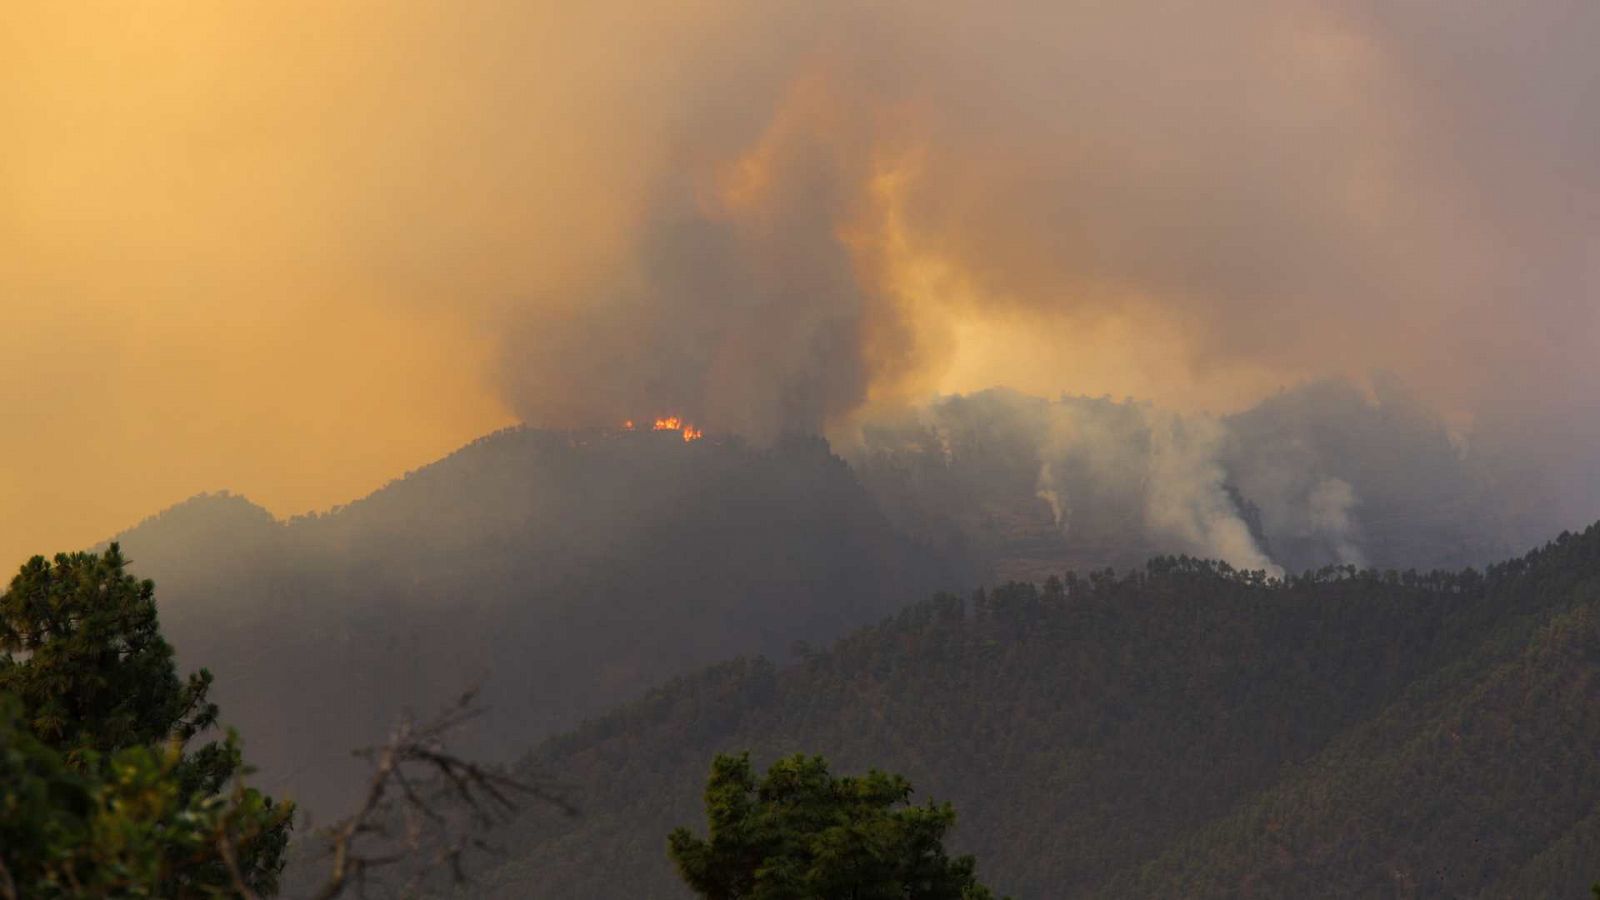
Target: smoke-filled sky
[293, 249]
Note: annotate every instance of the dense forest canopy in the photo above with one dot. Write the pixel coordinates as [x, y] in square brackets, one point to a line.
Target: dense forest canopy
[1183, 729]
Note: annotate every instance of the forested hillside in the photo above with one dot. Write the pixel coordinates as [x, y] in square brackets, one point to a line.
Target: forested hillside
[566, 572]
[1183, 730]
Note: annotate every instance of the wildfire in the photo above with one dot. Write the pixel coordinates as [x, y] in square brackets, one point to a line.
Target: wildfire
[673, 423]
[627, 425]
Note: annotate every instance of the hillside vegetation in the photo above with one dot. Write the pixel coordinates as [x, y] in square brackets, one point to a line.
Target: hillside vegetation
[1182, 730]
[568, 571]
[564, 572]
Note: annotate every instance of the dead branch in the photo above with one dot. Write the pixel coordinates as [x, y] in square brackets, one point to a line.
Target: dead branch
[425, 805]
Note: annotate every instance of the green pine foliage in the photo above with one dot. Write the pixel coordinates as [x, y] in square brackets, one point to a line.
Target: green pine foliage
[1181, 730]
[83, 652]
[100, 795]
[800, 832]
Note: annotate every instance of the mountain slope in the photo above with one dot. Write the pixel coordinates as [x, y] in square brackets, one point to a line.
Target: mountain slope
[1182, 731]
[567, 571]
[564, 571]
[1455, 790]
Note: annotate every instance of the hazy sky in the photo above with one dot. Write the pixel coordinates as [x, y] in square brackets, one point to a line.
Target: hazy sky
[294, 249]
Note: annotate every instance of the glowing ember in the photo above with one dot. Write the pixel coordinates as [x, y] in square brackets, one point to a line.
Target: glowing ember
[627, 425]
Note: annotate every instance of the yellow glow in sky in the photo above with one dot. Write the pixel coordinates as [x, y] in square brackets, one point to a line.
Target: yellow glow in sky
[294, 249]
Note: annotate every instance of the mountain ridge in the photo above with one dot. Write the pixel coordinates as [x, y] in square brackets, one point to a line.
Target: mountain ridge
[562, 571]
[1118, 736]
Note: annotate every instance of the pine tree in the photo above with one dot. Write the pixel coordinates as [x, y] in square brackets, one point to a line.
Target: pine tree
[803, 833]
[99, 780]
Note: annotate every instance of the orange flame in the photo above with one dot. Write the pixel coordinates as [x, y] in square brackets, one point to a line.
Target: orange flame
[627, 425]
[674, 423]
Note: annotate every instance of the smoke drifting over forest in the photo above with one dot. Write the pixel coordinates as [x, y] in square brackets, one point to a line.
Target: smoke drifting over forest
[1327, 474]
[777, 218]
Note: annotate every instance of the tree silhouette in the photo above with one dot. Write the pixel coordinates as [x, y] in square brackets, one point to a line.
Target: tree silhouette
[801, 832]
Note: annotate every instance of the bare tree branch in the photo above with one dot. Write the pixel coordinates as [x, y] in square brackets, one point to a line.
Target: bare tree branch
[231, 859]
[443, 803]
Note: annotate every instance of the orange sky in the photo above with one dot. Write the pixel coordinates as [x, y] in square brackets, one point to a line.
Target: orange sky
[181, 311]
[294, 249]
[244, 247]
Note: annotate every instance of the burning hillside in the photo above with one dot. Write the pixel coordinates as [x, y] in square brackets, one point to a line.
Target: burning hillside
[670, 423]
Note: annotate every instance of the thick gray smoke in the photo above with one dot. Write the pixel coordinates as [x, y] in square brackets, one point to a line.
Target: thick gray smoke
[849, 206]
[772, 217]
[751, 320]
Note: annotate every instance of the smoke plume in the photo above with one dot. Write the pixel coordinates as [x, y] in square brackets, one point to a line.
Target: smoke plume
[236, 226]
[1331, 473]
[860, 201]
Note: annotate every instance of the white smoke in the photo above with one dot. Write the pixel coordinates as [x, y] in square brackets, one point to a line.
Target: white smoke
[1328, 509]
[1185, 500]
[1134, 474]
[1047, 490]
[1330, 473]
